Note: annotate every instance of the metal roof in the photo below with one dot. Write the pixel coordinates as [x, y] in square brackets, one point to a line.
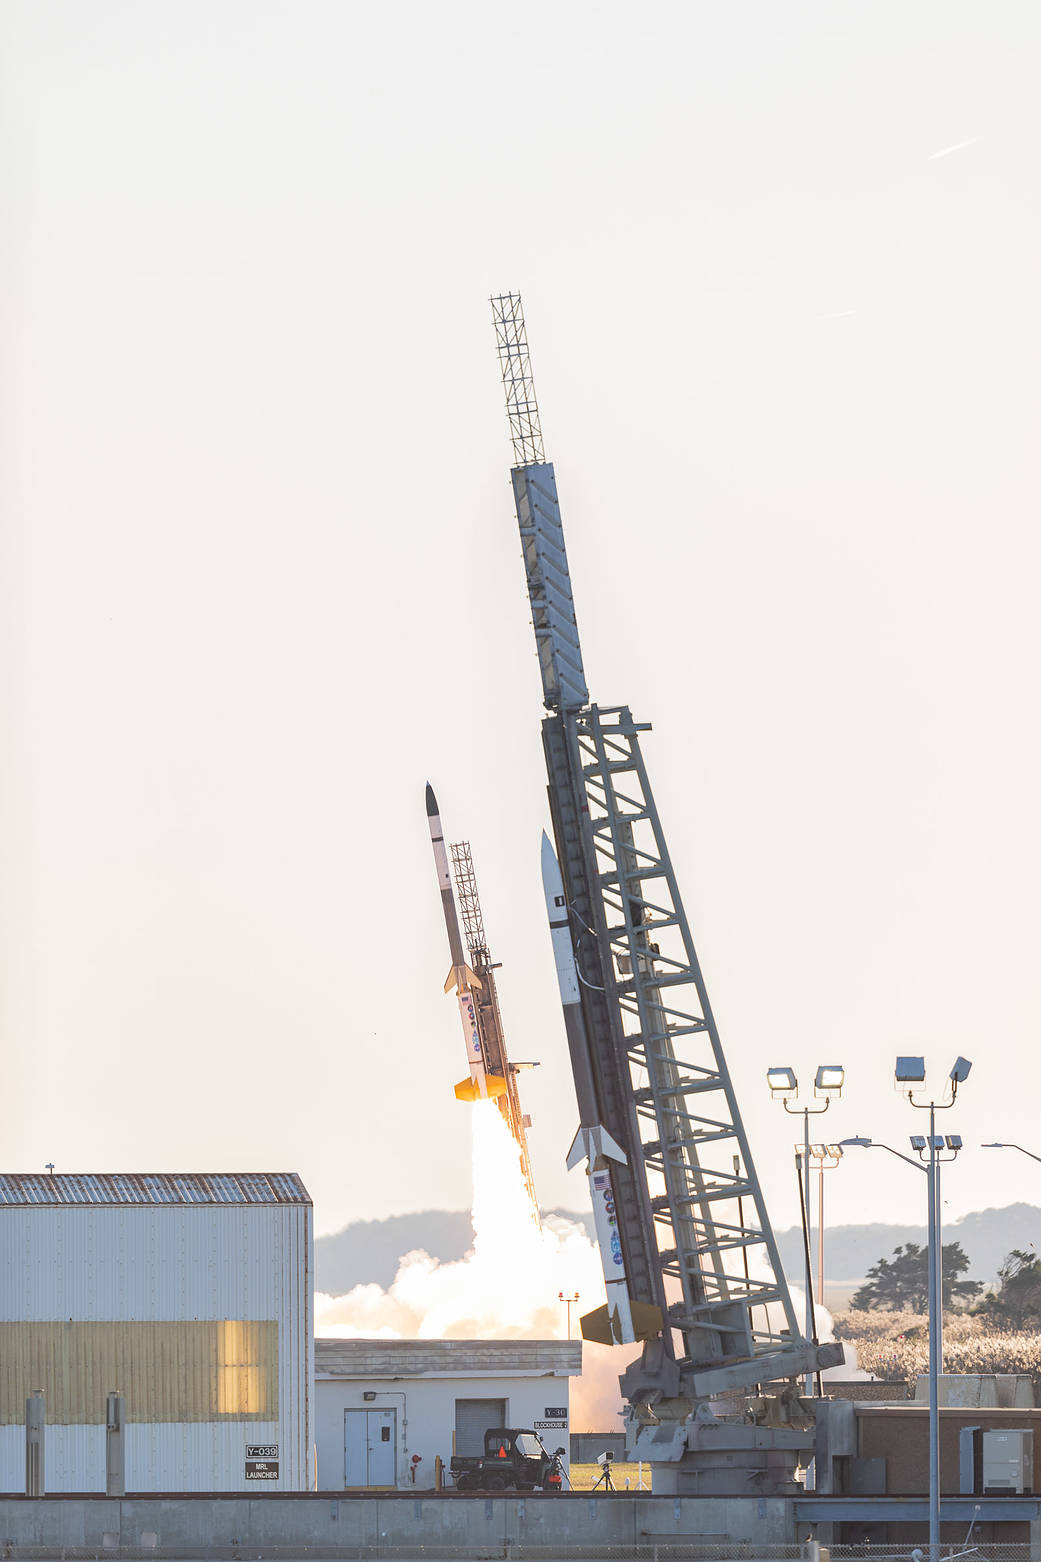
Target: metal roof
[152, 1188]
[382, 1358]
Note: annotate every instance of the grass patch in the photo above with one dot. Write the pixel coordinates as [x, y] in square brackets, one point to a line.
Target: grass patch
[583, 1476]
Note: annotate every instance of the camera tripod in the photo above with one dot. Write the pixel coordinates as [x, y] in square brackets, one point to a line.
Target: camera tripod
[604, 1479]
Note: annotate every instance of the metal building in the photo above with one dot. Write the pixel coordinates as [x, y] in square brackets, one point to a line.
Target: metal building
[191, 1296]
[386, 1409]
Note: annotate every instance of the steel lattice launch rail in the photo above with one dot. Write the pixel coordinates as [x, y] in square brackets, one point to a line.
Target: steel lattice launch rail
[489, 1015]
[694, 1269]
[492, 1076]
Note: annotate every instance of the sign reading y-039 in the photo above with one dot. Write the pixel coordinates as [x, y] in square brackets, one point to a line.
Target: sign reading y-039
[262, 1461]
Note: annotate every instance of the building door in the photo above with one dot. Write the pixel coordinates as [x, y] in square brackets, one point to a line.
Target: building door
[474, 1417]
[370, 1444]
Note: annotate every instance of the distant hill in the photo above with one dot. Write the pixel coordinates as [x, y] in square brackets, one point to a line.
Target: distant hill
[987, 1236]
[367, 1251]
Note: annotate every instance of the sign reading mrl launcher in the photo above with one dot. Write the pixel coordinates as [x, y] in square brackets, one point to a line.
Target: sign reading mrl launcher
[262, 1461]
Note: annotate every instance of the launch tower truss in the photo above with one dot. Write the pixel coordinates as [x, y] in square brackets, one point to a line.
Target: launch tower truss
[692, 1217]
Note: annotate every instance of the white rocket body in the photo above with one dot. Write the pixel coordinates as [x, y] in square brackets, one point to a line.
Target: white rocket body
[592, 1142]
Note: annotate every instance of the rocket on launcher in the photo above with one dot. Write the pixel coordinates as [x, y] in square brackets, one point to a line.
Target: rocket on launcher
[622, 1320]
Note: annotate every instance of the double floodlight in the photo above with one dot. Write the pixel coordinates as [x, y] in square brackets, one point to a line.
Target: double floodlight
[827, 1081]
[910, 1075]
[826, 1152]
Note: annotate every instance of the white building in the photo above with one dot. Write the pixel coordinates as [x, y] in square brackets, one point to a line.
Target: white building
[383, 1405]
[191, 1296]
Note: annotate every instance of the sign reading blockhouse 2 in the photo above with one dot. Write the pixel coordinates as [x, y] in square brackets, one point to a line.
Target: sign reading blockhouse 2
[262, 1461]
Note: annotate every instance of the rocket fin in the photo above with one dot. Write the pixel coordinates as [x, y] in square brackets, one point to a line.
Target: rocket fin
[594, 1145]
[461, 977]
[602, 1325]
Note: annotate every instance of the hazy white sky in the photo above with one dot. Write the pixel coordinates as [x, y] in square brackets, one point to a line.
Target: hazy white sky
[261, 580]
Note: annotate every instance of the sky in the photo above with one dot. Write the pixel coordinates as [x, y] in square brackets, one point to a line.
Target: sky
[260, 577]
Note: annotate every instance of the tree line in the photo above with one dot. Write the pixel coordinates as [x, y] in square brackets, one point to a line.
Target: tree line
[902, 1281]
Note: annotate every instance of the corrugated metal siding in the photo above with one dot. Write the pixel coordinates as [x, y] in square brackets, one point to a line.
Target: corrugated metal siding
[392, 1358]
[194, 1370]
[164, 1263]
[154, 1188]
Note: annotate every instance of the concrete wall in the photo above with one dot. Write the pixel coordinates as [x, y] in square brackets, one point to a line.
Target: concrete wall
[191, 1527]
[426, 1417]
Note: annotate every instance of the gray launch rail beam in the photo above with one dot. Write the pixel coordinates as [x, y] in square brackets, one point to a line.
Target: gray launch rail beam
[697, 1247]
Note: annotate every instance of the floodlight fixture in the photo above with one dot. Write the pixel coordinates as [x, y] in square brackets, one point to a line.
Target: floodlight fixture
[953, 1141]
[783, 1083]
[910, 1071]
[818, 1151]
[960, 1072]
[829, 1080]
[918, 1142]
[834, 1150]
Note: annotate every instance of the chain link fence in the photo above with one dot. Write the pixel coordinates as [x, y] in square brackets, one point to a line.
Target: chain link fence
[652, 1549]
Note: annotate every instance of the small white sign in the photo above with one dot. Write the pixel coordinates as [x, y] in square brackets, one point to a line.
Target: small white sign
[545, 1426]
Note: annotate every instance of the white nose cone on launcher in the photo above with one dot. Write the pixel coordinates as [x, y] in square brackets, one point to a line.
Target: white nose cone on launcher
[481, 1085]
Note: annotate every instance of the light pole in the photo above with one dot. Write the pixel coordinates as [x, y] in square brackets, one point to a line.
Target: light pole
[910, 1072]
[827, 1157]
[568, 1301]
[784, 1086]
[1019, 1147]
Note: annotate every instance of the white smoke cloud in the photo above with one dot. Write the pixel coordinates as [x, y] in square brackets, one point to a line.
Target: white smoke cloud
[507, 1287]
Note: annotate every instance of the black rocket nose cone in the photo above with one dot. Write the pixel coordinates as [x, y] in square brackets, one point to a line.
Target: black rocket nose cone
[431, 802]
